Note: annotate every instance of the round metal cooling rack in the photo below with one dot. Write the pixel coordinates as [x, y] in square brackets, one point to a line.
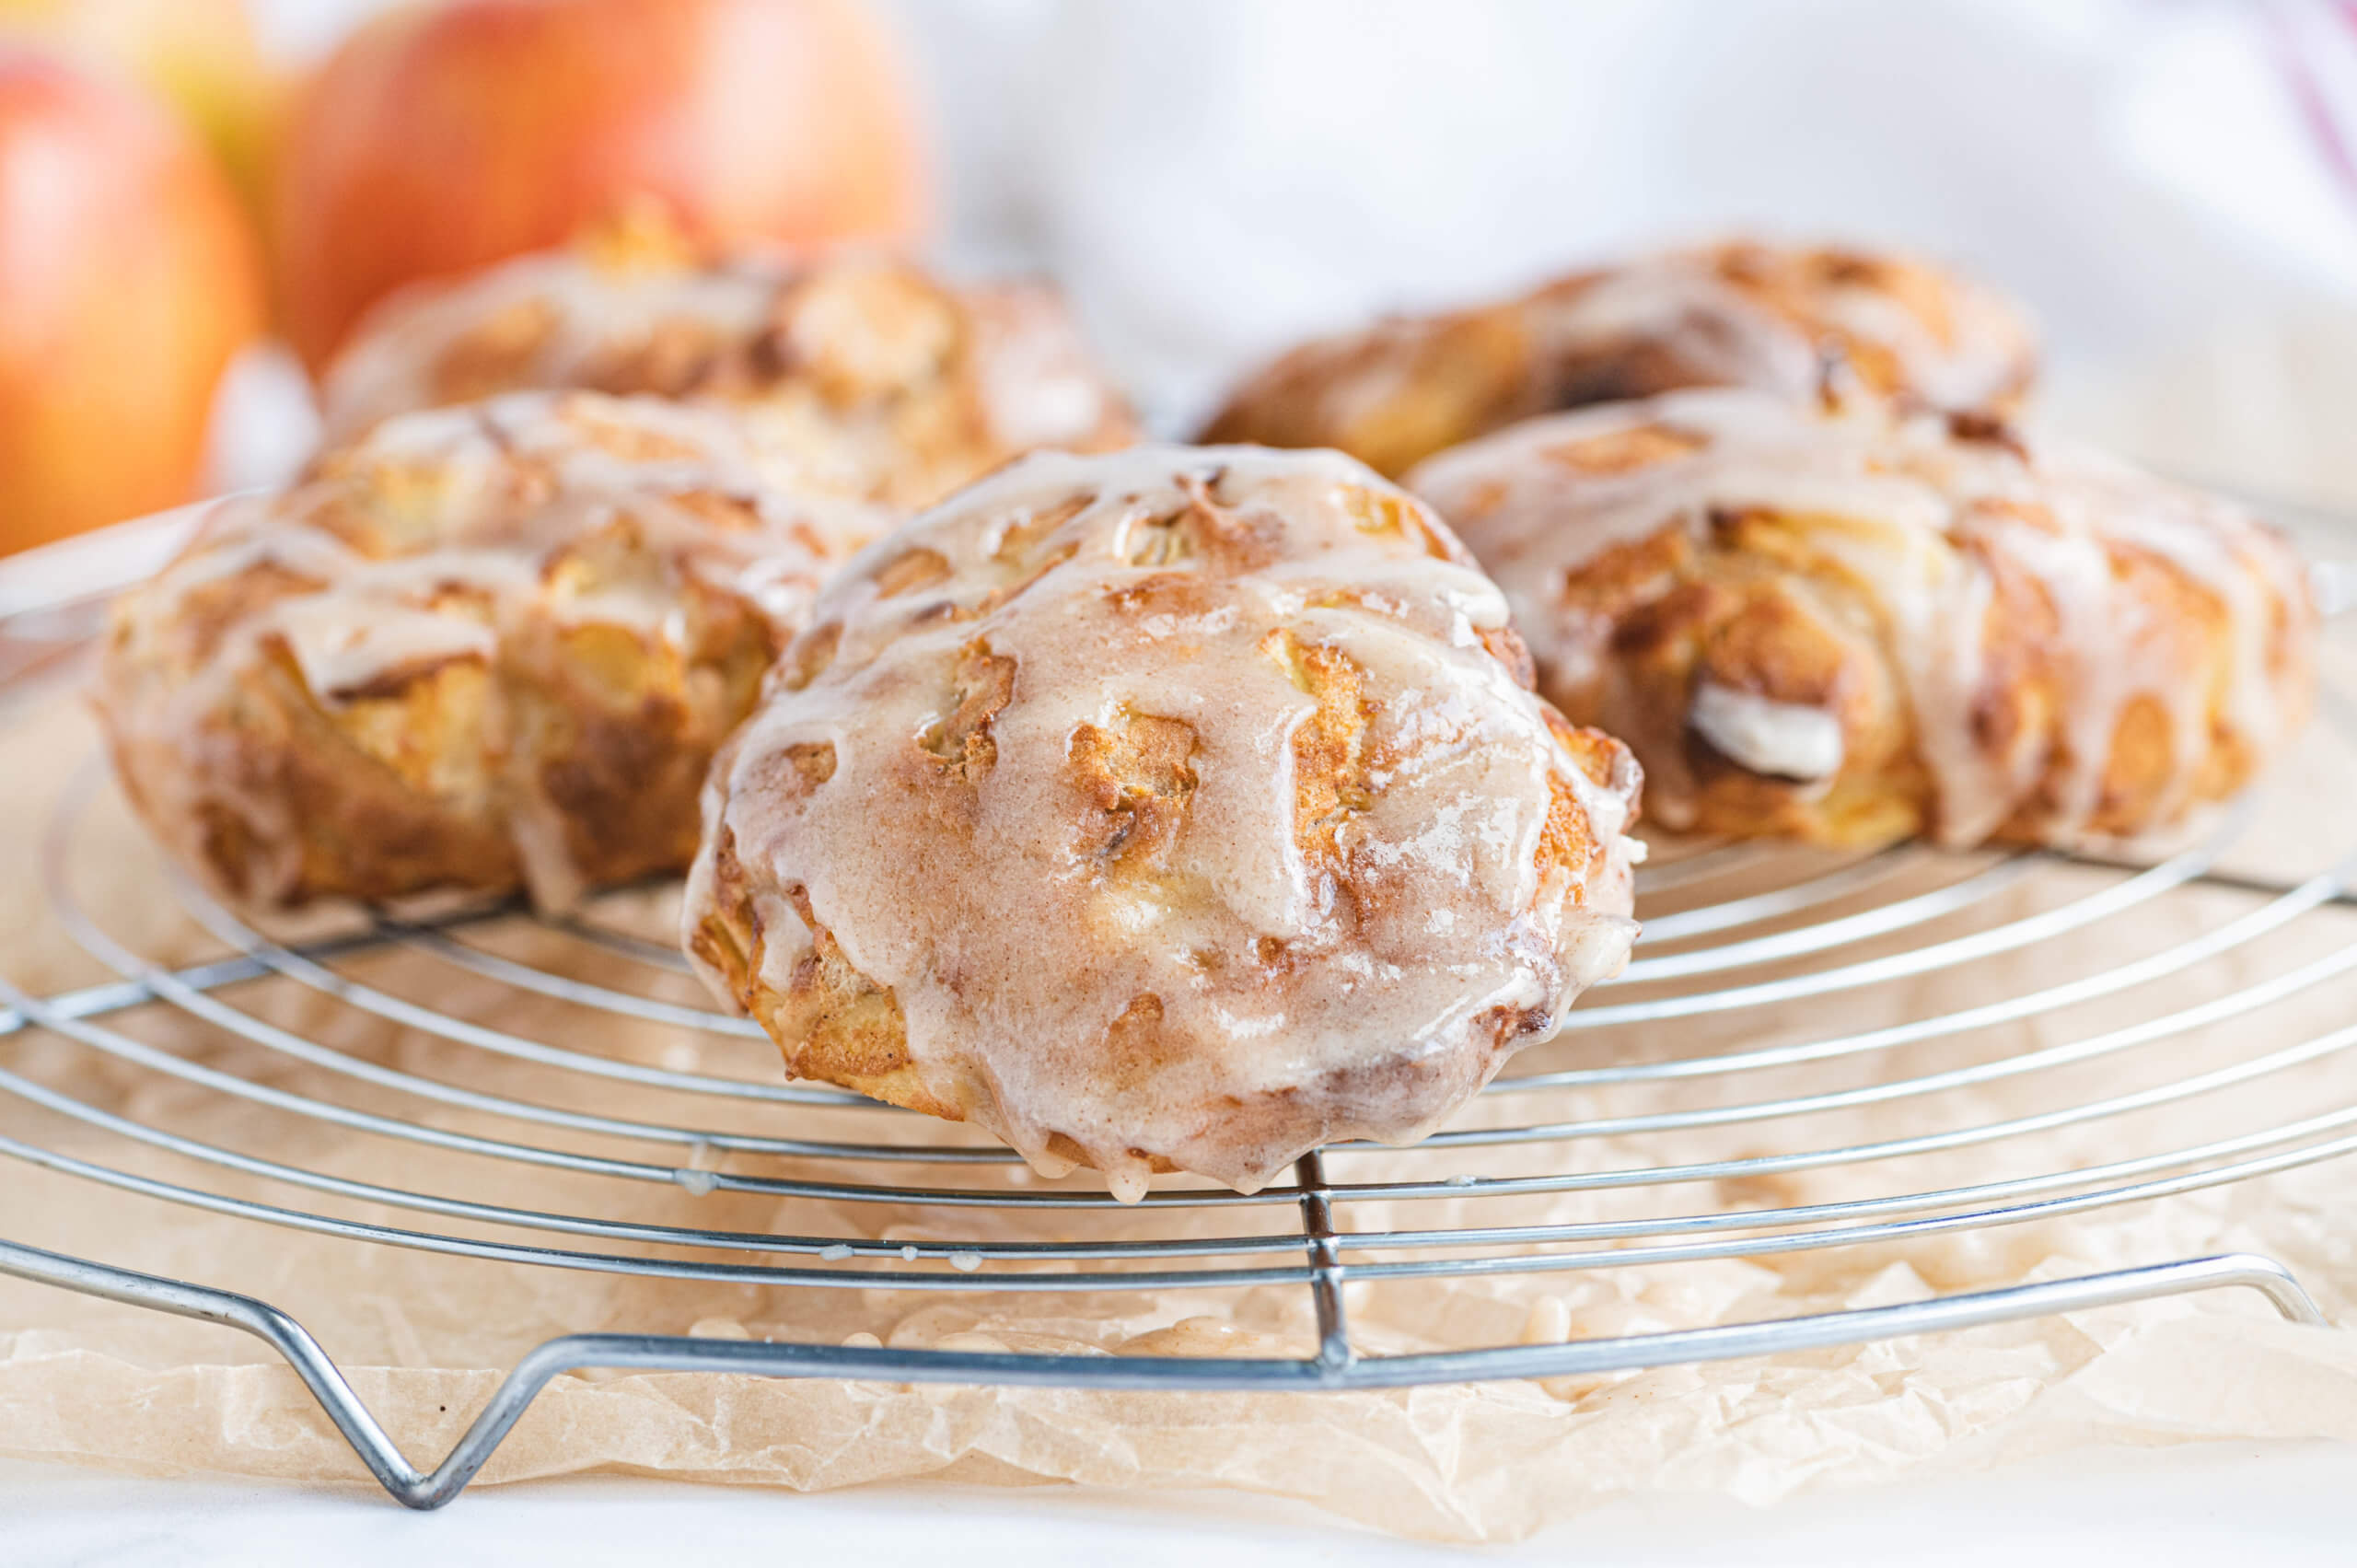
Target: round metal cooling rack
[1728, 929]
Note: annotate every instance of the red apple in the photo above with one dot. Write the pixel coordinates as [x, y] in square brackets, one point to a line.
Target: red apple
[443, 138]
[128, 277]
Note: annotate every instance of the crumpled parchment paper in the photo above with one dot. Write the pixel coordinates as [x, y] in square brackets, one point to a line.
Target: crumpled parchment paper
[427, 1338]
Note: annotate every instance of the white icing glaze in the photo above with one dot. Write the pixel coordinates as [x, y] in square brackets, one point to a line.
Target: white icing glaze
[1039, 388]
[1683, 298]
[1914, 513]
[1680, 299]
[1036, 386]
[1010, 947]
[1784, 741]
[389, 367]
[473, 508]
[1777, 326]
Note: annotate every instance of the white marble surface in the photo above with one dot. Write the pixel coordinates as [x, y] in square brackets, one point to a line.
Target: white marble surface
[2287, 1506]
[2135, 222]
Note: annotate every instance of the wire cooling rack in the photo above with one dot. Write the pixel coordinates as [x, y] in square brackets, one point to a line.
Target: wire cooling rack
[1730, 930]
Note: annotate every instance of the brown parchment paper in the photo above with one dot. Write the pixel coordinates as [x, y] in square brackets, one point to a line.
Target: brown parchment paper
[427, 1338]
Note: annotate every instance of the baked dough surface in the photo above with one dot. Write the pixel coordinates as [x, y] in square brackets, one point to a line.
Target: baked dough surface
[484, 647]
[1783, 319]
[866, 375]
[1177, 808]
[1854, 624]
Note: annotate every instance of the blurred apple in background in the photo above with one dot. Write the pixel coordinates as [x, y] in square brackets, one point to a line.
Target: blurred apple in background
[128, 276]
[442, 138]
[200, 56]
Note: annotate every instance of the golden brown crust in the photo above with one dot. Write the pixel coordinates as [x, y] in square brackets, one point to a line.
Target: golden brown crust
[483, 647]
[1848, 626]
[864, 375]
[1781, 318]
[1178, 809]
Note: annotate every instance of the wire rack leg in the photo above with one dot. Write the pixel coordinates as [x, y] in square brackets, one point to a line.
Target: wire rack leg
[281, 1333]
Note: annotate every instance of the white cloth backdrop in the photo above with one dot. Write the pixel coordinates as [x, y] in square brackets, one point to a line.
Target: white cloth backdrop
[1213, 177]
[1216, 177]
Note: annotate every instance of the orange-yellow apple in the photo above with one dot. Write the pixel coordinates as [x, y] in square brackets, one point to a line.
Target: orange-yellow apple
[447, 136]
[200, 56]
